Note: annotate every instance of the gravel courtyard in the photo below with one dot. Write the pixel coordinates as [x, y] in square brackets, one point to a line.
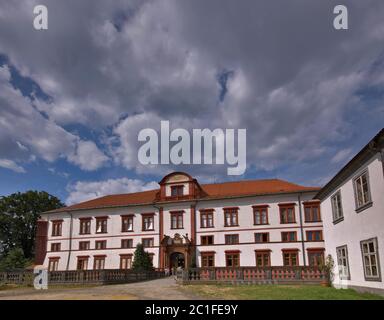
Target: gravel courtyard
[164, 289]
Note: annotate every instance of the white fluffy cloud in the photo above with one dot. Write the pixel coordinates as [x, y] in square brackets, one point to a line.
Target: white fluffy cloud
[9, 164]
[84, 190]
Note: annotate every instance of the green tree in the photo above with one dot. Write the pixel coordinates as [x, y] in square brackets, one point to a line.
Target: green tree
[14, 260]
[141, 261]
[18, 215]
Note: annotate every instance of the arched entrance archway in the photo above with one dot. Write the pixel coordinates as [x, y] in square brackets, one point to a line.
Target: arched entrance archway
[177, 259]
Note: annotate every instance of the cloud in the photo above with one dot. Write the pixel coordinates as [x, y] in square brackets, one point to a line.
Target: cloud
[84, 190]
[9, 164]
[342, 155]
[294, 81]
[87, 156]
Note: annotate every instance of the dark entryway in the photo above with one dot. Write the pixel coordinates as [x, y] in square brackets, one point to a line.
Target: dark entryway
[177, 260]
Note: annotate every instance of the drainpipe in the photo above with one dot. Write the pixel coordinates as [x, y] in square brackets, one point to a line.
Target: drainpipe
[301, 229]
[161, 221]
[70, 240]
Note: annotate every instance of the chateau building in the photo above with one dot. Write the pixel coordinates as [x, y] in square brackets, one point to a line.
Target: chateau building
[352, 205]
[184, 223]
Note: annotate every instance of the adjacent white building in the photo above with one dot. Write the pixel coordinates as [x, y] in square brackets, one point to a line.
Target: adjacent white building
[352, 206]
[245, 223]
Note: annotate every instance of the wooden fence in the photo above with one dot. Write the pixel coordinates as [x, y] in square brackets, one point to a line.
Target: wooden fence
[25, 277]
[252, 275]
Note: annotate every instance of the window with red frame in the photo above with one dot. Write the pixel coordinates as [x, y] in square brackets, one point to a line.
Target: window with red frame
[207, 259]
[263, 258]
[55, 247]
[287, 214]
[260, 215]
[232, 259]
[206, 219]
[147, 242]
[84, 245]
[101, 244]
[53, 264]
[314, 235]
[262, 237]
[98, 263]
[289, 236]
[231, 217]
[57, 227]
[127, 223]
[231, 239]
[290, 258]
[101, 225]
[148, 222]
[177, 220]
[126, 261]
[207, 240]
[127, 243]
[315, 257]
[177, 191]
[85, 225]
[312, 212]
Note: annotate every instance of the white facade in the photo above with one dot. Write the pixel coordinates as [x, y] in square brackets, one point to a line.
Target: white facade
[346, 231]
[190, 209]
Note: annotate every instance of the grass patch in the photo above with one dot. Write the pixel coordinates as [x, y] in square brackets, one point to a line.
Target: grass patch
[277, 292]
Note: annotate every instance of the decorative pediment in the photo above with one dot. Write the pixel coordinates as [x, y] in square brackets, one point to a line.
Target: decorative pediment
[177, 240]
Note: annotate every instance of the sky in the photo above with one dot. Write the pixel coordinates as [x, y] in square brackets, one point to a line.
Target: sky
[74, 97]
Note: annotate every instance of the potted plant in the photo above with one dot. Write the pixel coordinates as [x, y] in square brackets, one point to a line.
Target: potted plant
[327, 268]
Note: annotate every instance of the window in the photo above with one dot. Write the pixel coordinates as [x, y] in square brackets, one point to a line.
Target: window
[57, 228]
[261, 237]
[260, 215]
[231, 217]
[127, 243]
[362, 193]
[232, 259]
[290, 258]
[207, 259]
[85, 225]
[147, 242]
[82, 263]
[177, 220]
[314, 235]
[98, 262]
[207, 240]
[55, 247]
[263, 258]
[177, 191]
[148, 222]
[231, 239]
[125, 261]
[101, 244]
[312, 212]
[342, 262]
[101, 224]
[84, 245]
[206, 218]
[290, 236]
[127, 223]
[287, 214]
[370, 259]
[53, 264]
[337, 208]
[315, 257]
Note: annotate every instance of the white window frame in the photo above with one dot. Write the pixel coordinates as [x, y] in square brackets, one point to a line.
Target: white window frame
[367, 200]
[337, 213]
[369, 255]
[343, 262]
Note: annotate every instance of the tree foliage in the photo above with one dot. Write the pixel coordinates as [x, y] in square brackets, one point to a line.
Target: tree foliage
[14, 260]
[141, 261]
[19, 213]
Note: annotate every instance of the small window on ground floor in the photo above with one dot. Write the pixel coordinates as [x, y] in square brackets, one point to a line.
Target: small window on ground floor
[371, 262]
[263, 258]
[232, 259]
[315, 257]
[53, 264]
[82, 263]
[99, 263]
[207, 259]
[126, 261]
[290, 258]
[342, 262]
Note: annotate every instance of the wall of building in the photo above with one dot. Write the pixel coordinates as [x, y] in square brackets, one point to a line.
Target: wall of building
[246, 231]
[357, 226]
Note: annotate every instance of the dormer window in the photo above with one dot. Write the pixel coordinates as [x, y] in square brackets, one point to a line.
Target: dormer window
[177, 191]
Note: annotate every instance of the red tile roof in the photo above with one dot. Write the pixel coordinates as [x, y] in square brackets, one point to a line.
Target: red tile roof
[213, 191]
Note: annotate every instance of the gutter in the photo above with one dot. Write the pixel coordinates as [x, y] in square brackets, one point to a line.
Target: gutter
[301, 229]
[70, 240]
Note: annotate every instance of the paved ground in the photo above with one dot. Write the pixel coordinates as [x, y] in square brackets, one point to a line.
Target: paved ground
[164, 289]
